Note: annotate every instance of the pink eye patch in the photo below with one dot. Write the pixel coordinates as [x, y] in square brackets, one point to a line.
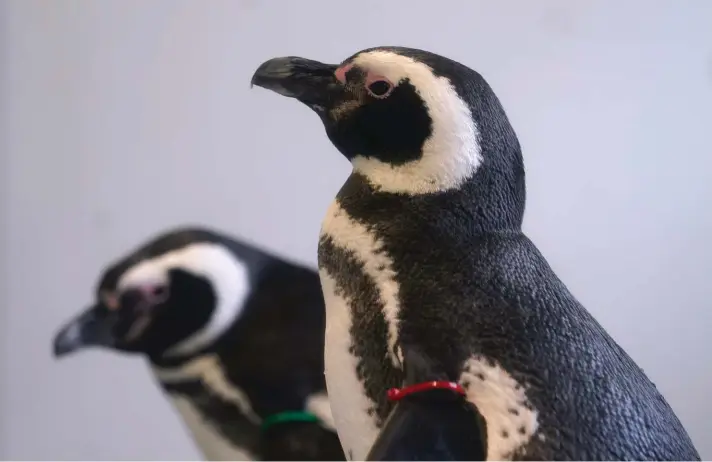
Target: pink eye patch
[371, 78]
[153, 294]
[340, 73]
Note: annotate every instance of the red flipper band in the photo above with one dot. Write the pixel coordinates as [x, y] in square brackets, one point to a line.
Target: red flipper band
[396, 394]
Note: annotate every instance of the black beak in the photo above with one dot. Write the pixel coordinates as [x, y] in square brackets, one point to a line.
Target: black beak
[311, 82]
[92, 327]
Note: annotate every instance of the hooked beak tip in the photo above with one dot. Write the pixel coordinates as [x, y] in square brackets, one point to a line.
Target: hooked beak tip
[295, 77]
[67, 340]
[81, 331]
[60, 350]
[272, 75]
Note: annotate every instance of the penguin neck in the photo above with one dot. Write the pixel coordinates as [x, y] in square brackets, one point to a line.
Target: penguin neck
[219, 414]
[491, 200]
[207, 369]
[168, 361]
[494, 198]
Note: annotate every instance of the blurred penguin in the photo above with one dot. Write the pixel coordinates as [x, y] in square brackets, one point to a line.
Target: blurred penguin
[234, 335]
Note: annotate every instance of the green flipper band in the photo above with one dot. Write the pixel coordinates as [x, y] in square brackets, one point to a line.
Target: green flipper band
[288, 416]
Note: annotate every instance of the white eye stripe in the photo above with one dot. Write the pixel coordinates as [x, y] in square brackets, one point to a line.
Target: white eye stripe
[226, 274]
[450, 155]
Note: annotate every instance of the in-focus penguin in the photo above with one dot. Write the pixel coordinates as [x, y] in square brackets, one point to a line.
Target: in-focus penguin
[234, 335]
[423, 250]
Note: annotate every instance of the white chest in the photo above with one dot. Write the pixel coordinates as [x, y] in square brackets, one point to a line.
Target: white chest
[352, 409]
[355, 238]
[207, 437]
[209, 440]
[349, 403]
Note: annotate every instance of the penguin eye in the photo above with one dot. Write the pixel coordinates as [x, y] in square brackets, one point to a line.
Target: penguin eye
[145, 297]
[379, 88]
[159, 292]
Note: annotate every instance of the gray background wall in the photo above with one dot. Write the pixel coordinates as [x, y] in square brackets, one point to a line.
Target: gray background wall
[125, 117]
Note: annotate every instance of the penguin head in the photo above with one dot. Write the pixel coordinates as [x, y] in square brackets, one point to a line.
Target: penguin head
[169, 304]
[409, 120]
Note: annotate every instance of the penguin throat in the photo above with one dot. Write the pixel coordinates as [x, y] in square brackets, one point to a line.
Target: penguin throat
[430, 172]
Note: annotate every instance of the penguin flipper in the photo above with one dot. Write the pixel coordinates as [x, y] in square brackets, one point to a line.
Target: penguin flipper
[435, 424]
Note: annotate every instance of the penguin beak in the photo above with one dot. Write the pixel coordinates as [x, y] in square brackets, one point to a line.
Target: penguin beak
[311, 82]
[93, 327]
